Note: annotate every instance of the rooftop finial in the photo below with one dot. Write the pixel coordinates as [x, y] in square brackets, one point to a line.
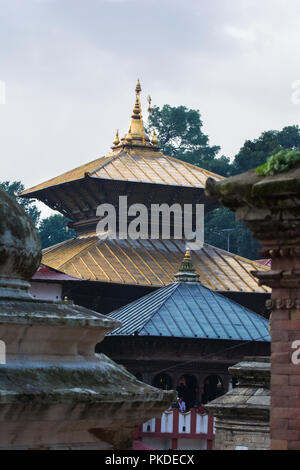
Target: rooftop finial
[150, 109]
[137, 138]
[137, 111]
[154, 139]
[138, 88]
[117, 139]
[187, 272]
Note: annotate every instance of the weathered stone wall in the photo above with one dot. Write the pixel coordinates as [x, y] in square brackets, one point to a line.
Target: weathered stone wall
[239, 433]
[242, 415]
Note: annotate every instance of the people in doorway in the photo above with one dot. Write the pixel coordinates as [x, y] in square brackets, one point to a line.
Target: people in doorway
[181, 405]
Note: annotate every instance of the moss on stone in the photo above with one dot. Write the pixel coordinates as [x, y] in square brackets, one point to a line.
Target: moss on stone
[278, 163]
[104, 381]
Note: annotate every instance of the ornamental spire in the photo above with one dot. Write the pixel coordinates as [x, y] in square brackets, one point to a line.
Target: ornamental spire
[187, 272]
[136, 137]
[117, 139]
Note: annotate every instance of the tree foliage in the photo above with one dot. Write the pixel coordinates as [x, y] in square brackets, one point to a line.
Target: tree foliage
[28, 205]
[256, 152]
[180, 135]
[241, 241]
[54, 230]
[51, 229]
[281, 161]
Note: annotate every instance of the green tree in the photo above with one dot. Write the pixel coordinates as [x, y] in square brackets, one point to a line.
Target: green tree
[28, 205]
[180, 135]
[255, 152]
[218, 221]
[54, 229]
[252, 154]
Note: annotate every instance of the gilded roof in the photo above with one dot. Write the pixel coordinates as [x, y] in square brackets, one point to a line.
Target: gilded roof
[135, 158]
[147, 167]
[136, 166]
[150, 263]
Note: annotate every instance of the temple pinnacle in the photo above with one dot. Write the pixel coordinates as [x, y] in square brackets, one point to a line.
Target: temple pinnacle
[187, 272]
[117, 139]
[138, 88]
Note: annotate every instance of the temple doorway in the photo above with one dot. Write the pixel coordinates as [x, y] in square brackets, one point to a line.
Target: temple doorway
[213, 387]
[163, 381]
[188, 390]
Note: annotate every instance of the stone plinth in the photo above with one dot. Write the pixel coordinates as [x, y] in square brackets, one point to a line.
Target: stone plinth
[55, 392]
[242, 415]
[270, 207]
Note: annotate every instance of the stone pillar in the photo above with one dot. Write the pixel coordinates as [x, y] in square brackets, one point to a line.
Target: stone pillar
[270, 207]
[55, 392]
[242, 415]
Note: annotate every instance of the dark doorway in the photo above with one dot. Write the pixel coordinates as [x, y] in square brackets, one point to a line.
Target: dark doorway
[163, 381]
[188, 390]
[213, 388]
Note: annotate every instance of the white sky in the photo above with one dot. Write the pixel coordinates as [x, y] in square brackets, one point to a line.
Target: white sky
[70, 69]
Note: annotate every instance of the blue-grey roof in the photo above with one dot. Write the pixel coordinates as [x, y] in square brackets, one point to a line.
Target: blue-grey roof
[190, 310]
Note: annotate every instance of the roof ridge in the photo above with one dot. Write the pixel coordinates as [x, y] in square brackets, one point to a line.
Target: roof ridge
[50, 248]
[158, 292]
[234, 255]
[194, 166]
[215, 311]
[108, 160]
[80, 250]
[174, 286]
[65, 173]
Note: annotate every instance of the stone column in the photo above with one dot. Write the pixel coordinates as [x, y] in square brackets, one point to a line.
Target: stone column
[270, 207]
[55, 392]
[242, 415]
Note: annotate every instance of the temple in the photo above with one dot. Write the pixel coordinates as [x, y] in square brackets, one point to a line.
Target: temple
[185, 336]
[122, 270]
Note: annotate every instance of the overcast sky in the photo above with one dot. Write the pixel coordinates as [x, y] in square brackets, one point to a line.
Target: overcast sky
[70, 69]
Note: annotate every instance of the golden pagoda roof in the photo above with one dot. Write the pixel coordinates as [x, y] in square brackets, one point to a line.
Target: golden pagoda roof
[150, 263]
[135, 166]
[135, 158]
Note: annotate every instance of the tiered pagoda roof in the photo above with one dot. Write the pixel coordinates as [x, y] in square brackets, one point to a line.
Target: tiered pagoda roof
[134, 165]
[137, 169]
[150, 263]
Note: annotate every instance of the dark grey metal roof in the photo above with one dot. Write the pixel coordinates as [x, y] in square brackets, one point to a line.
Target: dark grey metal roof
[190, 310]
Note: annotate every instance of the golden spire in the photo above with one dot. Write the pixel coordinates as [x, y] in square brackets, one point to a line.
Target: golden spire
[154, 140]
[117, 139]
[138, 88]
[128, 137]
[136, 136]
[137, 110]
[136, 125]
